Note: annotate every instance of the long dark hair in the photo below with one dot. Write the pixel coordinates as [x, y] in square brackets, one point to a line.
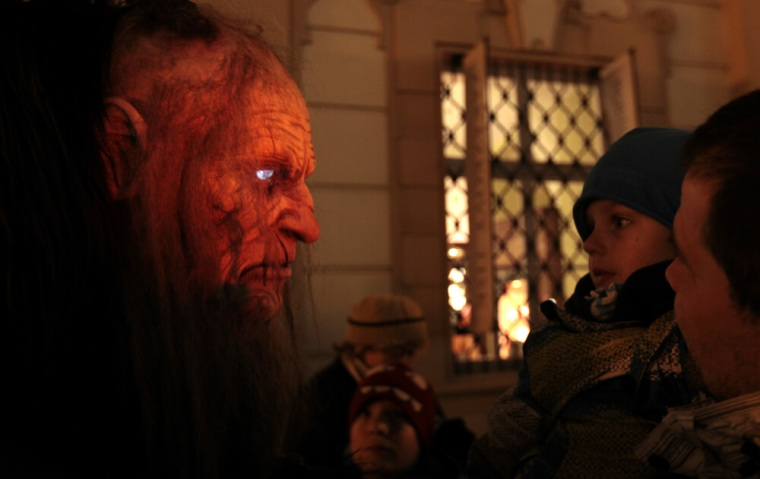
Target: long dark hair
[57, 283]
[110, 371]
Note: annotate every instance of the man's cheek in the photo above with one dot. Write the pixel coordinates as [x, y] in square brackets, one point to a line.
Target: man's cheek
[681, 309]
[672, 274]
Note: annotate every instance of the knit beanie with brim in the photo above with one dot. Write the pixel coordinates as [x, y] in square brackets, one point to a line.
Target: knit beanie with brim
[403, 387]
[640, 171]
[383, 320]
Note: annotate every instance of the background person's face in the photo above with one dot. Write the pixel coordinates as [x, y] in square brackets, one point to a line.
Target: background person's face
[382, 441]
[260, 201]
[622, 241]
[720, 338]
[377, 357]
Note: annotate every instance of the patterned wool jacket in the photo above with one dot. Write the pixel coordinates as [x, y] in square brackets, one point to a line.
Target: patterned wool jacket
[590, 389]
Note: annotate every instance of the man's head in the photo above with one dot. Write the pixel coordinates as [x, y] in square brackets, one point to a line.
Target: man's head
[385, 328]
[208, 137]
[625, 212]
[206, 146]
[717, 231]
[391, 420]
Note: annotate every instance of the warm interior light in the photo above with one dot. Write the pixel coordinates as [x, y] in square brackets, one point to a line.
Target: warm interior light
[513, 314]
[455, 252]
[457, 303]
[456, 276]
[520, 332]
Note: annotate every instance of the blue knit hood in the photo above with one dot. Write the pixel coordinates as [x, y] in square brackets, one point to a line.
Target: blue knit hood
[640, 171]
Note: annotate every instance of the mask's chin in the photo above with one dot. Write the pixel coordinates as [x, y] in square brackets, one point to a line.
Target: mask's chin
[250, 301]
[264, 303]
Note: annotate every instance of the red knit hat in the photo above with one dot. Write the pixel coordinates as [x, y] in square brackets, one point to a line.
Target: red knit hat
[407, 389]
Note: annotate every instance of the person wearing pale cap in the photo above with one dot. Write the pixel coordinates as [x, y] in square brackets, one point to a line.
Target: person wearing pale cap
[380, 329]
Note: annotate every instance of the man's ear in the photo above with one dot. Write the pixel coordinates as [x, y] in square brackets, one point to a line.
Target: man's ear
[124, 132]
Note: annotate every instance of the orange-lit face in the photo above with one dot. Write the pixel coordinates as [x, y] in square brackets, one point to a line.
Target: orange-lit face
[260, 203]
[382, 442]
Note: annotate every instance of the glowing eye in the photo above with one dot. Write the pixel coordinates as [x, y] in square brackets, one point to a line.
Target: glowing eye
[264, 175]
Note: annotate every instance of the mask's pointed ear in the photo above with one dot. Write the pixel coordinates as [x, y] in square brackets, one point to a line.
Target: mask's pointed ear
[122, 145]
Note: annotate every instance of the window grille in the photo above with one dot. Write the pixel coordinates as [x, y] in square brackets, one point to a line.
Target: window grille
[545, 132]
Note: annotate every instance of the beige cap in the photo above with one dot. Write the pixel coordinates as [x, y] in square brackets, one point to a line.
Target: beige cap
[382, 320]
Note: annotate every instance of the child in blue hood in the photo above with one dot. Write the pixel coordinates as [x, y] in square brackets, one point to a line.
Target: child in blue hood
[602, 371]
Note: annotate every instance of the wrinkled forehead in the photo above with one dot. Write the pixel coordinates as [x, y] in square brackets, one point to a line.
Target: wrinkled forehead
[277, 123]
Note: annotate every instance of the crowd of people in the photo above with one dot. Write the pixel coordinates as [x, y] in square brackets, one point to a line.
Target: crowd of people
[147, 250]
[381, 330]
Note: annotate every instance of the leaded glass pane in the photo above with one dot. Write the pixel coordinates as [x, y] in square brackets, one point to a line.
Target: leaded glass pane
[457, 218]
[565, 117]
[545, 132]
[452, 114]
[504, 132]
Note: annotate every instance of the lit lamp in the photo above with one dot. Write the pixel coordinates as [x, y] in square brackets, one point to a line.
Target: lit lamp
[513, 314]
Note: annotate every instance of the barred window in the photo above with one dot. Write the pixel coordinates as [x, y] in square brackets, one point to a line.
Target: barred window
[545, 129]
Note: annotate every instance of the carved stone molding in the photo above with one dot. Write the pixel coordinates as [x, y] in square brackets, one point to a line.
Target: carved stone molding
[660, 20]
[494, 7]
[300, 15]
[579, 12]
[302, 34]
[573, 13]
[384, 9]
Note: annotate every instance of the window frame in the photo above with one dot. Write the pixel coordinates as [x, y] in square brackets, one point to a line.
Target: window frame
[620, 112]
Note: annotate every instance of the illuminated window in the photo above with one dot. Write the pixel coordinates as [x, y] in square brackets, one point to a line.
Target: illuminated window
[545, 132]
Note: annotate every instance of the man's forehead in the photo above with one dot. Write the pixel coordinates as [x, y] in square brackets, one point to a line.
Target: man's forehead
[696, 194]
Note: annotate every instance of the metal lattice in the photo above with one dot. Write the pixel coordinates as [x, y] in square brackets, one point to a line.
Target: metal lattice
[545, 134]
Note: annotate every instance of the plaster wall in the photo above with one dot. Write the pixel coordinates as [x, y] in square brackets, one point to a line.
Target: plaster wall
[368, 70]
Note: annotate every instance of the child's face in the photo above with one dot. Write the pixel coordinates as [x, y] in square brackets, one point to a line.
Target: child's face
[623, 240]
[377, 357]
[382, 442]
